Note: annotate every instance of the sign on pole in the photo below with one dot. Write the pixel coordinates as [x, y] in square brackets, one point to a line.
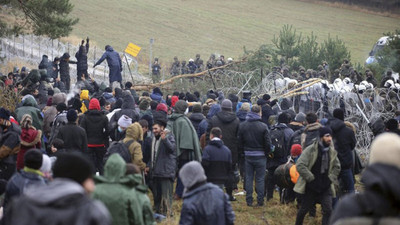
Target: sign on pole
[132, 49]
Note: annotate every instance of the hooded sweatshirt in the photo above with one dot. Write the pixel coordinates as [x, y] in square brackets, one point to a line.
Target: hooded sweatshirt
[30, 106]
[118, 192]
[135, 132]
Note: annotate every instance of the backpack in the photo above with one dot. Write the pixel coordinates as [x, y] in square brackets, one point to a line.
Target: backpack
[282, 175]
[59, 121]
[120, 148]
[278, 141]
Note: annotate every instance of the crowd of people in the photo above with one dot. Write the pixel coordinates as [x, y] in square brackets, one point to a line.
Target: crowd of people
[88, 154]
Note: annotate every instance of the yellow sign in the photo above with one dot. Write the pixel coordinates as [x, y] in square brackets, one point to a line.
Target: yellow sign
[132, 49]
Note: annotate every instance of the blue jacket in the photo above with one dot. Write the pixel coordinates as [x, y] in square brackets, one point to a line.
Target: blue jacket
[217, 162]
[114, 63]
[206, 204]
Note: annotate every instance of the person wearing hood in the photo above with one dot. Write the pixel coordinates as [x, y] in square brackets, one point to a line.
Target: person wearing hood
[64, 70]
[379, 200]
[227, 121]
[114, 64]
[196, 117]
[157, 95]
[118, 193]
[203, 203]
[74, 136]
[51, 112]
[162, 167]
[108, 96]
[84, 97]
[30, 106]
[9, 144]
[127, 109]
[319, 168]
[135, 132]
[187, 142]
[254, 144]
[30, 138]
[65, 200]
[345, 142]
[81, 57]
[95, 123]
[30, 175]
[123, 123]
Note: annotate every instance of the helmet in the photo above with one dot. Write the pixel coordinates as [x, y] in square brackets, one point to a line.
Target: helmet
[347, 80]
[389, 84]
[191, 60]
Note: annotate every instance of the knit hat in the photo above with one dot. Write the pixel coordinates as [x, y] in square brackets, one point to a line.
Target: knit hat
[124, 121]
[174, 100]
[385, 149]
[94, 104]
[245, 106]
[72, 115]
[324, 130]
[46, 164]
[73, 166]
[181, 106]
[338, 114]
[191, 174]
[196, 108]
[4, 114]
[33, 159]
[300, 117]
[26, 121]
[226, 104]
[296, 150]
[162, 107]
[61, 107]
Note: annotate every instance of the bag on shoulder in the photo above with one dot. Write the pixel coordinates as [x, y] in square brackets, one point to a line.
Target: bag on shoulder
[282, 175]
[120, 148]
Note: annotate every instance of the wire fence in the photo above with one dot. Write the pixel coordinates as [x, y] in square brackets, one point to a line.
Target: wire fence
[30, 48]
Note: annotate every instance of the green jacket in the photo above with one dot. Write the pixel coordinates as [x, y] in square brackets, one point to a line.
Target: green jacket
[30, 106]
[306, 162]
[185, 135]
[124, 197]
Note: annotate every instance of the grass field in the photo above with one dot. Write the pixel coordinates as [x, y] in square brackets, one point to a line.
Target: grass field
[187, 27]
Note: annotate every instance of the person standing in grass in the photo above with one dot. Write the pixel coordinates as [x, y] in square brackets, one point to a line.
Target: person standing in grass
[203, 203]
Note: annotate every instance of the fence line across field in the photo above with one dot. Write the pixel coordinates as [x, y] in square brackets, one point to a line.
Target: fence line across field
[30, 48]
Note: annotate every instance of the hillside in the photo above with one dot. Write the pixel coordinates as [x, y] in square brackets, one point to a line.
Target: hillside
[187, 27]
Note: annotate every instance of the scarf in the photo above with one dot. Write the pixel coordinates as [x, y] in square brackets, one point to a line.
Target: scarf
[324, 158]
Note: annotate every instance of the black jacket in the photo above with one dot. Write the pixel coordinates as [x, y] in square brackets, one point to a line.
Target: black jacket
[64, 67]
[196, 118]
[74, 138]
[266, 113]
[165, 159]
[217, 162]
[344, 141]
[95, 124]
[253, 135]
[229, 124]
[381, 196]
[81, 57]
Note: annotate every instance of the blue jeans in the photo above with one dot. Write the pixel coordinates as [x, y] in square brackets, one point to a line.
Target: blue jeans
[346, 181]
[257, 165]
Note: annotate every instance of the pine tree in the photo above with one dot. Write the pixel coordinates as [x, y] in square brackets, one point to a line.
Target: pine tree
[40, 17]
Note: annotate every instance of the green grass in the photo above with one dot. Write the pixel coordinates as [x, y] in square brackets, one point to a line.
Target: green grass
[187, 27]
[272, 213]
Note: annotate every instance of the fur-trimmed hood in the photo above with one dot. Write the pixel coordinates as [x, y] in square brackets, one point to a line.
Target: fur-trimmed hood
[30, 137]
